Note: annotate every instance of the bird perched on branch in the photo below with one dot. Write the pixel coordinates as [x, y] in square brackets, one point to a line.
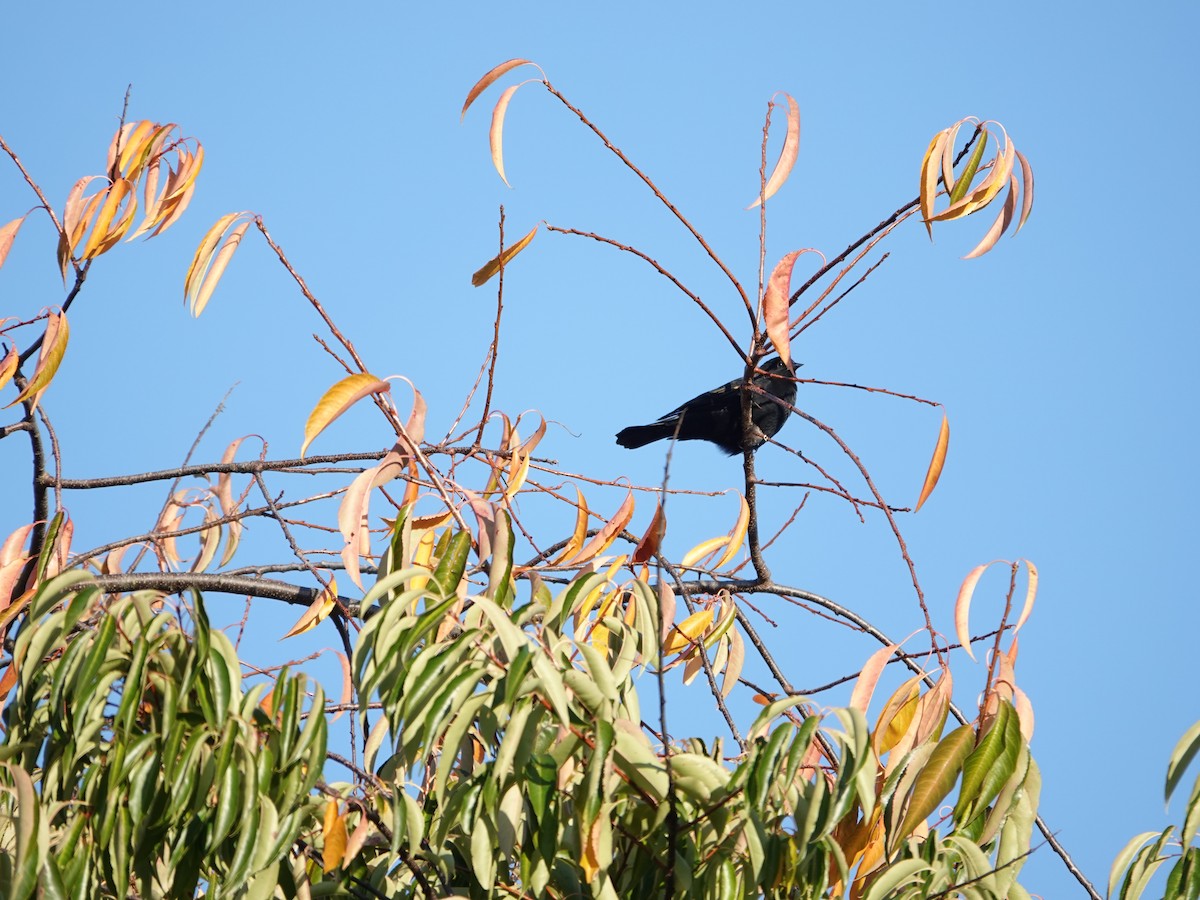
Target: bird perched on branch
[716, 416]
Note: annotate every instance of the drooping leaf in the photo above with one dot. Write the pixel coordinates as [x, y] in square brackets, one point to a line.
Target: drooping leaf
[1000, 224]
[787, 155]
[496, 133]
[198, 277]
[1030, 595]
[775, 306]
[864, 686]
[936, 463]
[212, 275]
[929, 177]
[652, 539]
[962, 607]
[50, 356]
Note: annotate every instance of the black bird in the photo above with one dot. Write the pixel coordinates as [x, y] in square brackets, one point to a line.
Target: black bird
[716, 416]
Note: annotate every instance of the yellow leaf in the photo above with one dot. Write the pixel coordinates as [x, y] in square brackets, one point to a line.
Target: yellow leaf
[787, 156]
[335, 838]
[929, 177]
[317, 611]
[489, 79]
[8, 234]
[104, 234]
[580, 533]
[337, 400]
[8, 365]
[737, 535]
[688, 631]
[201, 260]
[492, 266]
[54, 345]
[898, 713]
[936, 463]
[703, 549]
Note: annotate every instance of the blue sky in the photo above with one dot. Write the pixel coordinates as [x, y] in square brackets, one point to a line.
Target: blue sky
[1065, 358]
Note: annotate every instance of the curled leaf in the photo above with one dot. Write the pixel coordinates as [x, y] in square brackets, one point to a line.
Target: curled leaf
[496, 133]
[493, 265]
[737, 535]
[936, 463]
[337, 400]
[1030, 594]
[787, 156]
[962, 607]
[489, 79]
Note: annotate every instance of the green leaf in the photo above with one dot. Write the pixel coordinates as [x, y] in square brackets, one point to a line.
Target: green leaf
[1181, 757]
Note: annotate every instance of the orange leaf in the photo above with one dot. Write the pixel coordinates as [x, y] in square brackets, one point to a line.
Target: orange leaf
[489, 79]
[337, 400]
[7, 234]
[496, 134]
[54, 345]
[787, 156]
[202, 258]
[775, 305]
[317, 611]
[607, 534]
[580, 533]
[492, 266]
[213, 274]
[104, 233]
[936, 463]
[652, 539]
[688, 631]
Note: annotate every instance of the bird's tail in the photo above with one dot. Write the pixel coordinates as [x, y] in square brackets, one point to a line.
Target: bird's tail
[640, 435]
